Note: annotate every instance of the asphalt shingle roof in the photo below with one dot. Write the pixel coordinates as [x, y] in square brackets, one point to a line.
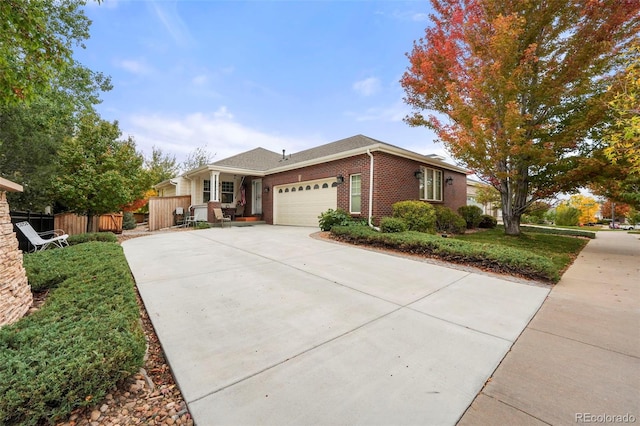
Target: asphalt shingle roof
[256, 159]
[354, 142]
[261, 159]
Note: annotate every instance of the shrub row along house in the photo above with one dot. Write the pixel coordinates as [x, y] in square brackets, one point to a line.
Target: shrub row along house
[359, 174]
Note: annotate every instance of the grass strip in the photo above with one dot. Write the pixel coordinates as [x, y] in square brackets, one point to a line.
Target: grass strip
[491, 254]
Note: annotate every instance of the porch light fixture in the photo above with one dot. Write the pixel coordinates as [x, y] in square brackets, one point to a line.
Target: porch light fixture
[340, 179]
[418, 174]
[449, 180]
[266, 189]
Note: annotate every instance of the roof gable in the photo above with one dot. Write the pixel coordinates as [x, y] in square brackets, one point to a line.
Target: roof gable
[256, 159]
[332, 148]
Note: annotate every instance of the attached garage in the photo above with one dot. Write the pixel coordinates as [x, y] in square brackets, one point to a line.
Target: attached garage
[301, 203]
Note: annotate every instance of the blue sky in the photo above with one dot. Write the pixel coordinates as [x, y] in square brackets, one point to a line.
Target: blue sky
[234, 75]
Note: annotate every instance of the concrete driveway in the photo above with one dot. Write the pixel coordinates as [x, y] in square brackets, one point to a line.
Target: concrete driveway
[265, 325]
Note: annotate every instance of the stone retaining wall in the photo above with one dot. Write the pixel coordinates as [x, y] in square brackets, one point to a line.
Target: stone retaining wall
[15, 292]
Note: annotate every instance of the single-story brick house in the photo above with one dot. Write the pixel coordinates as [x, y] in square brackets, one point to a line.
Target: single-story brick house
[359, 174]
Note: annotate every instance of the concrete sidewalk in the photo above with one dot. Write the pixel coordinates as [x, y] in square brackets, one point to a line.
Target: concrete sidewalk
[267, 326]
[578, 361]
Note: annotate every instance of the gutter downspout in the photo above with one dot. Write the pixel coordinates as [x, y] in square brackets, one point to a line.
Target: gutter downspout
[371, 190]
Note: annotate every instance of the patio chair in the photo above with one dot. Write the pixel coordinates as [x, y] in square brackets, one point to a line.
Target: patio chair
[58, 237]
[239, 210]
[220, 217]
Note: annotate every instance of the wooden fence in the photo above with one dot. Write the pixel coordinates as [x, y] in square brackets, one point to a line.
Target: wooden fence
[74, 224]
[162, 210]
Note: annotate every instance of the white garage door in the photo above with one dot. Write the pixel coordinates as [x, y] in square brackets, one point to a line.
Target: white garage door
[301, 203]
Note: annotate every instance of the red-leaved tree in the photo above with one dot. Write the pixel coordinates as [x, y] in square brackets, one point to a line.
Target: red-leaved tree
[515, 89]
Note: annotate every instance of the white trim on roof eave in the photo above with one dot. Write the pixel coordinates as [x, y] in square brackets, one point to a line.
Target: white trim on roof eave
[222, 169]
[164, 183]
[363, 150]
[423, 159]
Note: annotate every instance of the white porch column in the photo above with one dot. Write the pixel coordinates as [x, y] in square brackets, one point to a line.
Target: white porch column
[194, 194]
[215, 186]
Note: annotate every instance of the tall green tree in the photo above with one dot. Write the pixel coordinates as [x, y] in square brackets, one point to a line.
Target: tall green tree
[516, 89]
[160, 166]
[620, 180]
[37, 44]
[31, 133]
[623, 138]
[99, 172]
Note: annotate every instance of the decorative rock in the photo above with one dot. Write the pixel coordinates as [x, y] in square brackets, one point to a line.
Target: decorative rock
[95, 415]
[15, 292]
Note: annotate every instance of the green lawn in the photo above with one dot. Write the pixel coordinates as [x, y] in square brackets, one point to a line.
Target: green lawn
[559, 249]
[535, 254]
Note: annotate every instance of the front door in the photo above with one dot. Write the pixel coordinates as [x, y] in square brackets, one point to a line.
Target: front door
[256, 196]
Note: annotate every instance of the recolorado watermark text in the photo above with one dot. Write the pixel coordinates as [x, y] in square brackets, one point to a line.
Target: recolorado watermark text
[605, 418]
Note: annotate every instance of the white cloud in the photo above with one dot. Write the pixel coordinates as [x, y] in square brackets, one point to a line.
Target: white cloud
[393, 113]
[218, 131]
[138, 67]
[200, 80]
[167, 14]
[409, 15]
[367, 87]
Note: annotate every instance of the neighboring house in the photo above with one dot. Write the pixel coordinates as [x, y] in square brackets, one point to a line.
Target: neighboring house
[492, 209]
[360, 175]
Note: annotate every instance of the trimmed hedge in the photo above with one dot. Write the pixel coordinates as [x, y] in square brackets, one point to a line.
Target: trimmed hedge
[559, 231]
[449, 221]
[472, 215]
[487, 256]
[417, 215]
[105, 237]
[85, 338]
[488, 222]
[392, 224]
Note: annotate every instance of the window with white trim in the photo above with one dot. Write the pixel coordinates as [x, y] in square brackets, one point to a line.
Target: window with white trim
[206, 190]
[227, 192]
[355, 191]
[431, 184]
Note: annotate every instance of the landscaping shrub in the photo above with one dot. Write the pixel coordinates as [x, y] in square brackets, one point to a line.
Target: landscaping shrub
[536, 213]
[488, 222]
[567, 216]
[392, 224]
[332, 217]
[449, 221]
[105, 237]
[128, 221]
[471, 215]
[85, 338]
[487, 256]
[419, 216]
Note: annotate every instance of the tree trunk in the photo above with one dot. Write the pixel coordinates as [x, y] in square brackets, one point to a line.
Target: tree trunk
[511, 224]
[90, 219]
[511, 211]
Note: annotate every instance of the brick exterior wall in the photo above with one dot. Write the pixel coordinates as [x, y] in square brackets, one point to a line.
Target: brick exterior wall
[393, 181]
[15, 292]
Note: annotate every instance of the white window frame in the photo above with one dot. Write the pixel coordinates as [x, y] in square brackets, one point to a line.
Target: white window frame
[353, 194]
[431, 184]
[223, 192]
[206, 191]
